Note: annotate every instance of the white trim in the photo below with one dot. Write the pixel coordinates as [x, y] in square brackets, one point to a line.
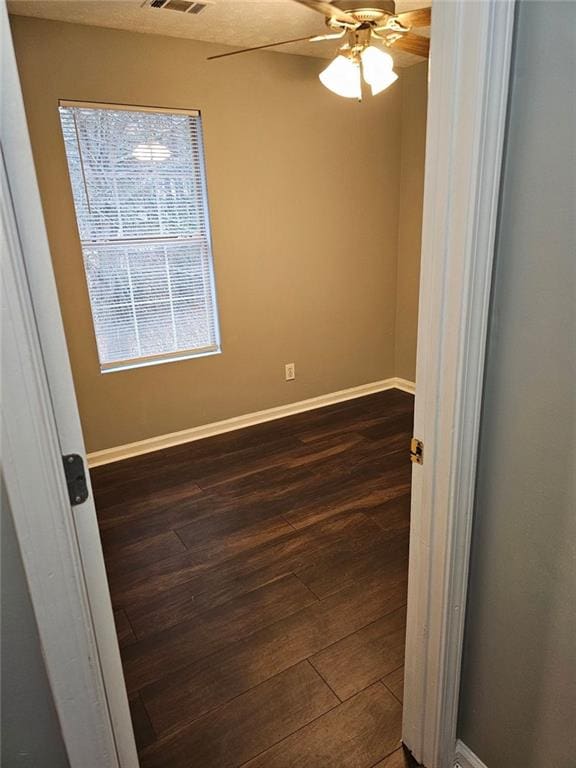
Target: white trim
[108, 455]
[169, 357]
[127, 107]
[465, 758]
[60, 545]
[405, 385]
[471, 47]
[39, 502]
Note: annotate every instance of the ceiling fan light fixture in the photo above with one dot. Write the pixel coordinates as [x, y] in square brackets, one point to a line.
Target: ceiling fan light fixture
[377, 67]
[342, 77]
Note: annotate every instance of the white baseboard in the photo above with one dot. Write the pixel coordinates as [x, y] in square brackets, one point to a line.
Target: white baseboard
[465, 758]
[404, 385]
[129, 450]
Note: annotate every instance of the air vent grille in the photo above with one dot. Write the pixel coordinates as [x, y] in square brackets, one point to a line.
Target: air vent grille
[182, 6]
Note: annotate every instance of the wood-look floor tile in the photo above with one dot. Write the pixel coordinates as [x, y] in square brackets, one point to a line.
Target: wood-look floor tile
[165, 482]
[143, 731]
[350, 491]
[221, 447]
[289, 453]
[356, 422]
[361, 659]
[290, 552]
[384, 470]
[271, 540]
[394, 681]
[276, 482]
[353, 735]
[163, 653]
[229, 579]
[127, 522]
[400, 758]
[242, 463]
[124, 629]
[247, 725]
[208, 590]
[129, 556]
[290, 468]
[393, 516]
[223, 519]
[335, 569]
[207, 684]
[202, 543]
[233, 541]
[152, 658]
[318, 454]
[391, 428]
[245, 613]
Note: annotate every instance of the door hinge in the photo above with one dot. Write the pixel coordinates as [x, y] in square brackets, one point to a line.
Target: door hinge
[75, 478]
[417, 451]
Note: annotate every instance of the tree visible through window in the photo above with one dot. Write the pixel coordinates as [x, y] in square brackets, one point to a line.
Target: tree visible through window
[139, 190]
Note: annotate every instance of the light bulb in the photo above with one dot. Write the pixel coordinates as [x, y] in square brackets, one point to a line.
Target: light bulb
[342, 76]
[377, 67]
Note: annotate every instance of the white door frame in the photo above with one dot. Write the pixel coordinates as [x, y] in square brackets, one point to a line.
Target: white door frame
[60, 544]
[469, 81]
[470, 59]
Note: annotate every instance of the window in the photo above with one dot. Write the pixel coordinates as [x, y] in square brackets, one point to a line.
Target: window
[139, 190]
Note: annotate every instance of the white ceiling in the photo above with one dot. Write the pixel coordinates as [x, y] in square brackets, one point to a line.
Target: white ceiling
[237, 23]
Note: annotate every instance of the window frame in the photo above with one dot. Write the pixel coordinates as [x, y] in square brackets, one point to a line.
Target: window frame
[181, 354]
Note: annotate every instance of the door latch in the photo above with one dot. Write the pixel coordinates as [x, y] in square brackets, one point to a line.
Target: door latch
[75, 478]
[416, 451]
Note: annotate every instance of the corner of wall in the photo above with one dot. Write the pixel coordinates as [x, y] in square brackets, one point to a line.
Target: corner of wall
[398, 227]
[409, 235]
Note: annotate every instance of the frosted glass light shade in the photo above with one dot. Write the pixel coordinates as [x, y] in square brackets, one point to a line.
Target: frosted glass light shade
[378, 69]
[342, 76]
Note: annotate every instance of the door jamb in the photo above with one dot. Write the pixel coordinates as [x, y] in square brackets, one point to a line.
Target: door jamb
[59, 544]
[36, 487]
[470, 59]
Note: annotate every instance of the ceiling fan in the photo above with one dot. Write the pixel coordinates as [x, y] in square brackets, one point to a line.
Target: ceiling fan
[360, 24]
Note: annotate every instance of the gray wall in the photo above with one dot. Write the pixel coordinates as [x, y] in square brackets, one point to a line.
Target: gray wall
[518, 697]
[31, 735]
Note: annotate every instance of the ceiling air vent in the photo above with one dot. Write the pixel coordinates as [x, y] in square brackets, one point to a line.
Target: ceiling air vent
[183, 6]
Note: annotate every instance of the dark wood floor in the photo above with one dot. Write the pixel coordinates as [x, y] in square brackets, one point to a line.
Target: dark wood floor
[259, 586]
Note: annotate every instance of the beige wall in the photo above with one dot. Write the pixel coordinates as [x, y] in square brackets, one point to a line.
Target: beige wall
[414, 103]
[304, 197]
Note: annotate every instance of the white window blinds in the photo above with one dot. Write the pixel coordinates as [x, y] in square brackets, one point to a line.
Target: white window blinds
[139, 191]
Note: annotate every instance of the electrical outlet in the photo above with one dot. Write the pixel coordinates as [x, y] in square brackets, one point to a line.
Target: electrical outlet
[290, 370]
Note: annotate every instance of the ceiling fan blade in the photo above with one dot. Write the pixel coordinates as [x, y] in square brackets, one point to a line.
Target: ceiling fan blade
[259, 47]
[322, 38]
[419, 46]
[420, 18]
[329, 10]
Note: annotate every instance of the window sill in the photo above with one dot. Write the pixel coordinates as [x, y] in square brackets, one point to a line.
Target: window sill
[146, 363]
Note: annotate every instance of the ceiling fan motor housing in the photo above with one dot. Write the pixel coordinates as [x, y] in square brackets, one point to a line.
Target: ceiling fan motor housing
[375, 13]
[373, 10]
[383, 6]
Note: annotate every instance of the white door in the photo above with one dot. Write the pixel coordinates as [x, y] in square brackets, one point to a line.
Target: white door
[25, 241]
